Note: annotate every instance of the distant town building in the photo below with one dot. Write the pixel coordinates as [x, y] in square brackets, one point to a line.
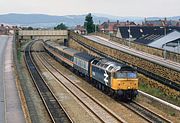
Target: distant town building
[112, 27]
[3, 29]
[136, 32]
[80, 29]
[170, 42]
[160, 22]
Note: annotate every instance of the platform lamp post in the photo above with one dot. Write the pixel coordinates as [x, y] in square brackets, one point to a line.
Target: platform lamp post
[129, 31]
[165, 33]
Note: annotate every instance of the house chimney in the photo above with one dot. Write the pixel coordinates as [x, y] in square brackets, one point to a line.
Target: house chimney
[117, 21]
[145, 19]
[165, 21]
[127, 22]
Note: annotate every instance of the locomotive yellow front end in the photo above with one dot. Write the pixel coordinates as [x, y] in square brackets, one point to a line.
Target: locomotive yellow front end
[125, 82]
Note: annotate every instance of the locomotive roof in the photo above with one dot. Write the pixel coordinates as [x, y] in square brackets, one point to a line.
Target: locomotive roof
[84, 56]
[108, 65]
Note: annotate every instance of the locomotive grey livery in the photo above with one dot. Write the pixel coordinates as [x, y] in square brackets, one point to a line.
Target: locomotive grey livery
[107, 75]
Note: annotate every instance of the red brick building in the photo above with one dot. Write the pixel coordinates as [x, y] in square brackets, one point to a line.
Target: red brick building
[4, 30]
[111, 27]
[80, 29]
[161, 22]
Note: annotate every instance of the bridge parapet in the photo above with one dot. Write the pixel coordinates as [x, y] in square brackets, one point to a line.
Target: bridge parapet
[42, 34]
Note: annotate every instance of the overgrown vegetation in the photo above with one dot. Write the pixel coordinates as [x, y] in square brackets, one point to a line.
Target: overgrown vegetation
[19, 51]
[158, 93]
[19, 55]
[61, 26]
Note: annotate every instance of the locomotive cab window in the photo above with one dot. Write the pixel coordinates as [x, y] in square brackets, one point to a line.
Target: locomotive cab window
[132, 75]
[127, 74]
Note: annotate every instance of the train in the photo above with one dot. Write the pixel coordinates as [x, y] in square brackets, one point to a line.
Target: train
[117, 79]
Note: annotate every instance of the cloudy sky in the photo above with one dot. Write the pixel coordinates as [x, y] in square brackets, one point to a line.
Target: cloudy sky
[144, 8]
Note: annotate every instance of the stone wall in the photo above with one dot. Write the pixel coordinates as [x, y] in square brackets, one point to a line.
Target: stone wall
[130, 59]
[147, 49]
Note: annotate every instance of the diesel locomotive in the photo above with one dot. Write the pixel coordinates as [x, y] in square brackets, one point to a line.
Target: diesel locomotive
[114, 78]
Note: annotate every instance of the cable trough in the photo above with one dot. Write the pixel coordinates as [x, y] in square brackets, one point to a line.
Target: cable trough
[54, 108]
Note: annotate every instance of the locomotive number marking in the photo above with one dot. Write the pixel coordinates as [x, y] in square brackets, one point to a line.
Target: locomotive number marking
[106, 78]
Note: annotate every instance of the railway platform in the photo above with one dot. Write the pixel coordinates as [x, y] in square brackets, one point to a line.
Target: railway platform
[10, 104]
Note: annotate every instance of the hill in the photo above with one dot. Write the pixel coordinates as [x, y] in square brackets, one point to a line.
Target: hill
[42, 20]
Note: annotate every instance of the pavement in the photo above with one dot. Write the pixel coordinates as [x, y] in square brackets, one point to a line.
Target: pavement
[10, 104]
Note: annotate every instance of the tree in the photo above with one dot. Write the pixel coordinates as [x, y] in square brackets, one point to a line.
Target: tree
[61, 27]
[106, 26]
[89, 24]
[97, 28]
[29, 28]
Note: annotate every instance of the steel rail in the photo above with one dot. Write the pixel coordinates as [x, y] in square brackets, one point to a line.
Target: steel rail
[116, 117]
[149, 74]
[146, 113]
[54, 108]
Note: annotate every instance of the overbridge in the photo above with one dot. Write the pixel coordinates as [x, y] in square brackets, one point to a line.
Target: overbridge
[42, 34]
[147, 60]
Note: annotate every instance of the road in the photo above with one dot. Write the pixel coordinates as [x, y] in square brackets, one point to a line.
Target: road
[3, 42]
[10, 104]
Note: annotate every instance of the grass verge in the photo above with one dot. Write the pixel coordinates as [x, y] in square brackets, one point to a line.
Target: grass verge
[158, 93]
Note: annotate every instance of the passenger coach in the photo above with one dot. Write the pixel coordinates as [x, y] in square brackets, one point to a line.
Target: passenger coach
[113, 77]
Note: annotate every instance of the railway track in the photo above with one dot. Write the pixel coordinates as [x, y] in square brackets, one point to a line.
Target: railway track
[94, 106]
[55, 110]
[144, 112]
[149, 74]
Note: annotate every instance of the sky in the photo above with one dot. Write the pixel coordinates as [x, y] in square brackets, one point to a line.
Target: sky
[140, 8]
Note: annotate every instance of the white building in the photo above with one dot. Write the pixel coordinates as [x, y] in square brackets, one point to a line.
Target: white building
[169, 42]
